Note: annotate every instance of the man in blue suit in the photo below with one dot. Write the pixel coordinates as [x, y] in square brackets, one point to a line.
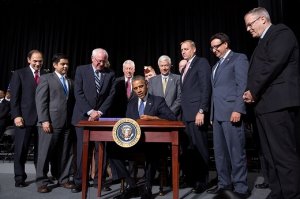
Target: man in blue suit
[94, 94]
[195, 100]
[23, 111]
[273, 88]
[229, 79]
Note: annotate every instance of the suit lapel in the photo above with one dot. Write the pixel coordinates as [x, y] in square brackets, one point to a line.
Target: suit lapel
[149, 105]
[222, 65]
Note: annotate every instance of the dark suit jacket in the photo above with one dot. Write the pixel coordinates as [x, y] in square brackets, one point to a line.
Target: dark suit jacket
[52, 103]
[173, 91]
[155, 106]
[119, 105]
[4, 112]
[196, 89]
[228, 86]
[86, 93]
[273, 77]
[22, 87]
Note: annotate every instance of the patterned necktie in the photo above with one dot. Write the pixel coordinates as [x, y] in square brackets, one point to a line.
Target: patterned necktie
[97, 81]
[36, 77]
[62, 79]
[141, 108]
[185, 70]
[128, 88]
[164, 84]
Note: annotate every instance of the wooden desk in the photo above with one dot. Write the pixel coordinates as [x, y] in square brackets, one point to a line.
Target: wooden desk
[158, 131]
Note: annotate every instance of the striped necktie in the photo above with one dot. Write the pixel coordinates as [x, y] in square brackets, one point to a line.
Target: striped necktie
[97, 81]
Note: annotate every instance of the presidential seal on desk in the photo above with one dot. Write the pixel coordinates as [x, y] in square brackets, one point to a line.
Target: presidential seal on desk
[126, 132]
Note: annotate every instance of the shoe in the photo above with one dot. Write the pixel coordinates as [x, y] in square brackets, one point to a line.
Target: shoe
[76, 189]
[68, 185]
[262, 186]
[43, 189]
[104, 188]
[215, 190]
[146, 193]
[129, 192]
[242, 195]
[21, 184]
[199, 188]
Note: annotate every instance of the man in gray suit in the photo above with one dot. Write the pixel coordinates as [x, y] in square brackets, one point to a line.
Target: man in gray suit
[54, 104]
[166, 85]
[229, 79]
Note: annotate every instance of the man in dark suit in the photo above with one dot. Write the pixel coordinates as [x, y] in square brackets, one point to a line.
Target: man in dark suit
[195, 103]
[273, 88]
[4, 113]
[123, 90]
[94, 94]
[54, 103]
[154, 107]
[23, 111]
[229, 79]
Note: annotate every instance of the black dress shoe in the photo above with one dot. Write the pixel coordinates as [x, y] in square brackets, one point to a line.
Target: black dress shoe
[146, 193]
[262, 186]
[129, 192]
[21, 184]
[215, 190]
[76, 189]
[104, 188]
[199, 188]
[242, 195]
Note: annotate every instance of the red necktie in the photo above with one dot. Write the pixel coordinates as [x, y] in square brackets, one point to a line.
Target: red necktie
[36, 77]
[128, 88]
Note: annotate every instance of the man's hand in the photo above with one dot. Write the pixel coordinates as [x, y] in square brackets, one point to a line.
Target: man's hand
[94, 116]
[248, 98]
[148, 117]
[199, 120]
[46, 127]
[235, 117]
[19, 122]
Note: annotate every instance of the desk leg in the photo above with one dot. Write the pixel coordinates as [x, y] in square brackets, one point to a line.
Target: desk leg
[85, 154]
[175, 171]
[100, 167]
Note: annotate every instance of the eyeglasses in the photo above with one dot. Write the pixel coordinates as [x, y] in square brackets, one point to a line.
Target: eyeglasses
[98, 61]
[216, 46]
[249, 25]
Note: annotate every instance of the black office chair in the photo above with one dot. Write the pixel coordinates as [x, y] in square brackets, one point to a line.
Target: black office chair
[7, 144]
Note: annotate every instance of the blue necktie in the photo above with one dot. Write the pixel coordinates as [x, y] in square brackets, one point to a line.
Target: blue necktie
[141, 108]
[218, 66]
[62, 79]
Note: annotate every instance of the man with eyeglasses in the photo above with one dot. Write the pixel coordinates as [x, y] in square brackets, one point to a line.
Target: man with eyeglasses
[229, 79]
[273, 88]
[94, 92]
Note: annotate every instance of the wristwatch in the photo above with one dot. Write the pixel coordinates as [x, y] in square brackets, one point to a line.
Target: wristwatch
[201, 111]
